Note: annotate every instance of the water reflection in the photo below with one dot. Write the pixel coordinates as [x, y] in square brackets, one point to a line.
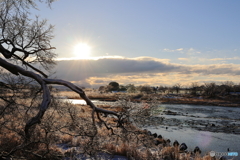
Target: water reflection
[209, 127]
[206, 140]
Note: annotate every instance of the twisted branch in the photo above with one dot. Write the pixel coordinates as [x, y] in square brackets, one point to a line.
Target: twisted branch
[46, 99]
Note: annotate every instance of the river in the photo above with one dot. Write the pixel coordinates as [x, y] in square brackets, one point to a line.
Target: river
[208, 127]
[211, 128]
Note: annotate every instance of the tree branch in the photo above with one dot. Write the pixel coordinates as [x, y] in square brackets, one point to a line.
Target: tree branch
[6, 53]
[35, 69]
[81, 93]
[46, 99]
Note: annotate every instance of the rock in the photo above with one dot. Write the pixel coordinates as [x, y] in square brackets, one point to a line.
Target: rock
[183, 147]
[197, 150]
[175, 143]
[157, 142]
[223, 158]
[168, 112]
[154, 135]
[138, 96]
[168, 141]
[160, 136]
[149, 133]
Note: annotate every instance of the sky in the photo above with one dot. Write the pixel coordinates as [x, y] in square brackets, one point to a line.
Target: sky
[141, 42]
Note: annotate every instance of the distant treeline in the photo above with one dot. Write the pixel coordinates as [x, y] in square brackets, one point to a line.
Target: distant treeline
[196, 89]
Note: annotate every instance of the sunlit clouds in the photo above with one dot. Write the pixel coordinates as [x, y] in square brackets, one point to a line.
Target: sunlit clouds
[183, 59]
[155, 43]
[142, 70]
[90, 58]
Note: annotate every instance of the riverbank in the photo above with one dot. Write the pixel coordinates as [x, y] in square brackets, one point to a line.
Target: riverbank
[220, 101]
[69, 130]
[202, 126]
[183, 122]
[131, 142]
[226, 101]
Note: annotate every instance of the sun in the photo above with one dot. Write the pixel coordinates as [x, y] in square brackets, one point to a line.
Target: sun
[82, 51]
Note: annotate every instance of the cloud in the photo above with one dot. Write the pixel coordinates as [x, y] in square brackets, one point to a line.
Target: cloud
[188, 51]
[217, 59]
[141, 70]
[224, 59]
[180, 49]
[217, 69]
[173, 50]
[81, 69]
[89, 58]
[183, 59]
[145, 58]
[99, 81]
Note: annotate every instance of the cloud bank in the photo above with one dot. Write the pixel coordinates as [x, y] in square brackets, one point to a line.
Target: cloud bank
[142, 70]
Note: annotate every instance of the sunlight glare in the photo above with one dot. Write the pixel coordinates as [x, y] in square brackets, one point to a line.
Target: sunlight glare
[82, 51]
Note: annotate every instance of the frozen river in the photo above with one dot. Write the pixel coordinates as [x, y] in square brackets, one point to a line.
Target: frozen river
[208, 127]
[212, 128]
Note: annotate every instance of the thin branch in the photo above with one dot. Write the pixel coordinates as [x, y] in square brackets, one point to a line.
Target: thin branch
[35, 69]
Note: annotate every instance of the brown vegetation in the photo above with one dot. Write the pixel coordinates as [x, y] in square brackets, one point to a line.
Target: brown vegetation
[227, 101]
[67, 130]
[35, 125]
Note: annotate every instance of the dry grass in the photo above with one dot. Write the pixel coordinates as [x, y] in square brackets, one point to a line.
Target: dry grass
[71, 125]
[145, 97]
[103, 96]
[9, 140]
[68, 94]
[201, 101]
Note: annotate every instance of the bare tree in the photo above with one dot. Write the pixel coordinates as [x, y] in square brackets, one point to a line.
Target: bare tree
[177, 87]
[226, 87]
[113, 86]
[26, 129]
[145, 89]
[194, 88]
[210, 90]
[162, 89]
[131, 88]
[27, 54]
